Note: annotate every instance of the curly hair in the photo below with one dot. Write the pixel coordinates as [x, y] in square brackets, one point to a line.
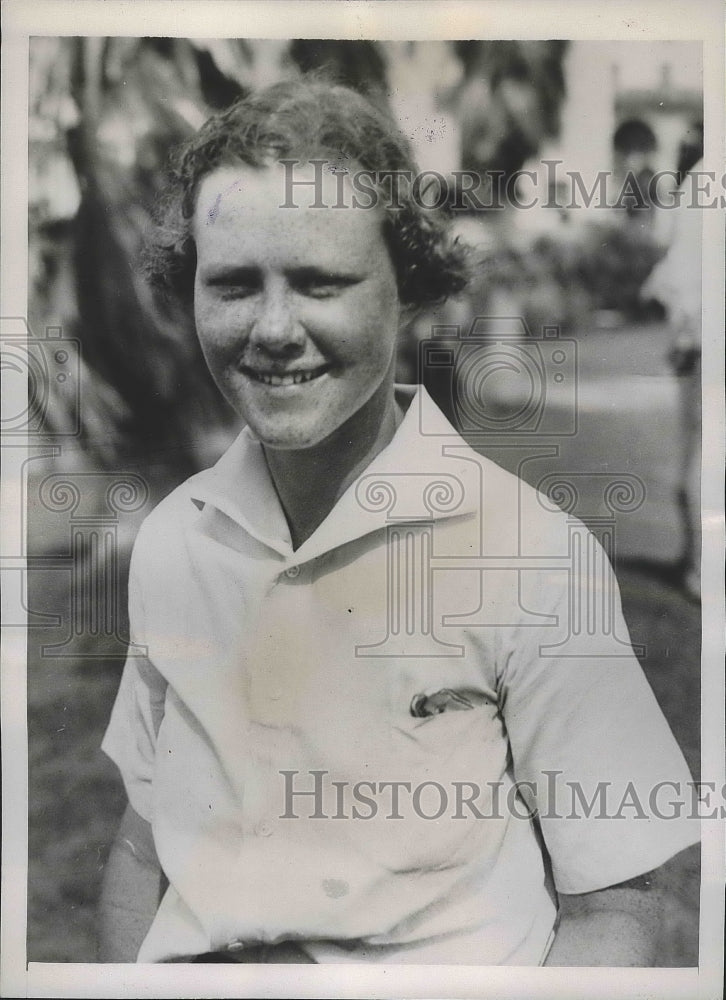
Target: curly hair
[305, 119]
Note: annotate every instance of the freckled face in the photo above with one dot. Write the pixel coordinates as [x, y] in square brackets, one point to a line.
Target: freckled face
[296, 310]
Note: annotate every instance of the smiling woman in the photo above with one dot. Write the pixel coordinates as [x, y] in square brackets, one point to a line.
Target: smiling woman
[309, 120]
[298, 614]
[297, 311]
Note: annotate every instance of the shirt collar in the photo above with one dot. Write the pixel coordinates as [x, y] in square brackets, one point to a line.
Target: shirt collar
[413, 479]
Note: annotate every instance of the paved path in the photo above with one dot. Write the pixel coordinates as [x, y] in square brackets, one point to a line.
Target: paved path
[627, 423]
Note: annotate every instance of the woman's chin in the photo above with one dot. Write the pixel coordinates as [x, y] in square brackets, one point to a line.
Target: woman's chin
[288, 438]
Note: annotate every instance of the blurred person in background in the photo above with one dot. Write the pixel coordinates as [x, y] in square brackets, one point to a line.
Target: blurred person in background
[676, 283]
[258, 585]
[634, 147]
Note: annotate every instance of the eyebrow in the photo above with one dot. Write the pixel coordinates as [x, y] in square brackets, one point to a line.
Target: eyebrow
[246, 273]
[313, 273]
[225, 274]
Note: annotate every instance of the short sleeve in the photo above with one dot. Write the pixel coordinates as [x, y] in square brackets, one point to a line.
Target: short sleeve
[591, 749]
[130, 738]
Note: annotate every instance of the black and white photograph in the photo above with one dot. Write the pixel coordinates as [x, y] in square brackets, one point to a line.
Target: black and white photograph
[362, 555]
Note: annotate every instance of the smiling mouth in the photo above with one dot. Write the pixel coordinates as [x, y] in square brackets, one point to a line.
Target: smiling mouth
[298, 377]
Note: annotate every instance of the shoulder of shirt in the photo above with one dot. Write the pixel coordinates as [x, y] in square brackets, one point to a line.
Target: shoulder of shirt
[548, 526]
[549, 523]
[171, 517]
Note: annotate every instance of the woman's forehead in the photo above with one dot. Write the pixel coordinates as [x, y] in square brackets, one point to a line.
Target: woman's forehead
[288, 184]
[240, 207]
[242, 217]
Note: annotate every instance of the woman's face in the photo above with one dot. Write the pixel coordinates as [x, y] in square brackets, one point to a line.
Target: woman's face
[296, 309]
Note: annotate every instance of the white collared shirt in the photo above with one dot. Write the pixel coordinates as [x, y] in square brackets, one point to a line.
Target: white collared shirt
[269, 728]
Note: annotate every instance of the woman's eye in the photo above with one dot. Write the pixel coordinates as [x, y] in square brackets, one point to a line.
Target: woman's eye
[320, 291]
[235, 291]
[323, 288]
[237, 283]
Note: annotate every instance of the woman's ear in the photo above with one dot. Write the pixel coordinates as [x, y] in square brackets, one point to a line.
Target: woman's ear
[407, 314]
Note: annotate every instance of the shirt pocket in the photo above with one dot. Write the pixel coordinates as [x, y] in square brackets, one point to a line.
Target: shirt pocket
[460, 744]
[444, 760]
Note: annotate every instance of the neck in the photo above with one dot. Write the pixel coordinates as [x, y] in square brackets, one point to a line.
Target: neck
[310, 482]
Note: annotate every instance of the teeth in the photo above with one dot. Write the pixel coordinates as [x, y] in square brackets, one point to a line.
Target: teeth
[294, 378]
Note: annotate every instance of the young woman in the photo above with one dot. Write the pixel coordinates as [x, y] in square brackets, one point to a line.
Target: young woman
[353, 739]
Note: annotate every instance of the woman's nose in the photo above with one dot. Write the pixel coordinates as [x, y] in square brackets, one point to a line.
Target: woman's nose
[275, 328]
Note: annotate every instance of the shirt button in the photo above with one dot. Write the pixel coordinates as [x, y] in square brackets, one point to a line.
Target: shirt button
[263, 829]
[292, 572]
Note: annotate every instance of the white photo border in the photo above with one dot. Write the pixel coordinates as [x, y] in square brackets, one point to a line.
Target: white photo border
[698, 20]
